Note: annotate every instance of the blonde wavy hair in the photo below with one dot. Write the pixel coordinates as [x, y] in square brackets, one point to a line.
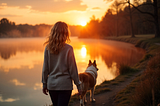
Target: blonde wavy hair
[59, 35]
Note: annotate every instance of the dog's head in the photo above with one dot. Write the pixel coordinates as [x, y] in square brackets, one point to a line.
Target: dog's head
[94, 64]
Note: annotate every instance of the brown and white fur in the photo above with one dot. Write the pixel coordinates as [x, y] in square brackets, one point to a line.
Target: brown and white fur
[88, 79]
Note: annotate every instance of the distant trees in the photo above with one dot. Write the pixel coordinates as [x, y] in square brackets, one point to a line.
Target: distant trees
[34, 31]
[125, 18]
[10, 29]
[6, 25]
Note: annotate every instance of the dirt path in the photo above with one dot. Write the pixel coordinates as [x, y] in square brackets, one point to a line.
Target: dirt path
[107, 98]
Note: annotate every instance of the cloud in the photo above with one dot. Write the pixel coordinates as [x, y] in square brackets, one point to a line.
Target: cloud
[8, 99]
[96, 8]
[68, 0]
[47, 5]
[4, 4]
[37, 86]
[10, 15]
[17, 83]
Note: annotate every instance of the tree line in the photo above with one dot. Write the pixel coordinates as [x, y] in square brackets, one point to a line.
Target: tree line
[10, 29]
[125, 18]
[122, 18]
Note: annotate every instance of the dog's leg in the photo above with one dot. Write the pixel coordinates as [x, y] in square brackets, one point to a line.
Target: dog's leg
[81, 102]
[92, 95]
[85, 100]
[82, 98]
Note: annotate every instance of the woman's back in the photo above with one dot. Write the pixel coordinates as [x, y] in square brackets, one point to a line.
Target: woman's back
[59, 68]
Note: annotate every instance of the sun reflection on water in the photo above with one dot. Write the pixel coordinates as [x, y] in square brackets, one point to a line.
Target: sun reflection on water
[83, 51]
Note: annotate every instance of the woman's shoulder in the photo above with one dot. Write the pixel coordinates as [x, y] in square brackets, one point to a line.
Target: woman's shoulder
[46, 47]
[68, 46]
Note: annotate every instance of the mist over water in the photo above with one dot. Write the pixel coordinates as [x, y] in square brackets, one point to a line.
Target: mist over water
[21, 62]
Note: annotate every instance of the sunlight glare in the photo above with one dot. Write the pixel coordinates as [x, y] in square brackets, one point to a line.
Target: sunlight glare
[83, 52]
[83, 23]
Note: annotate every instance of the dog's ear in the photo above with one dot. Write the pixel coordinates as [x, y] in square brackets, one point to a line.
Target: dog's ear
[94, 62]
[90, 62]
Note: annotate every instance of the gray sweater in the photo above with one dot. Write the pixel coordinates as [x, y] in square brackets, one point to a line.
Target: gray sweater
[59, 70]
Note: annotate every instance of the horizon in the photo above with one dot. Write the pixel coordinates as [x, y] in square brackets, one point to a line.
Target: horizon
[74, 12]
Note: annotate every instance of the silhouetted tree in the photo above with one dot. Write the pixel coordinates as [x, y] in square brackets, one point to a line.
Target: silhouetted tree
[131, 20]
[5, 26]
[116, 6]
[10, 29]
[107, 24]
[155, 4]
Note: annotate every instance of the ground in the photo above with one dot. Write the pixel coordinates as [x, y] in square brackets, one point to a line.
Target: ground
[107, 98]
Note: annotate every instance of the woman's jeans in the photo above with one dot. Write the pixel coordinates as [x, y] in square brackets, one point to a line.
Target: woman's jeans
[60, 97]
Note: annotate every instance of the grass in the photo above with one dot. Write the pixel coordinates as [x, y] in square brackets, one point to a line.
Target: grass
[123, 69]
[101, 90]
[146, 57]
[148, 91]
[144, 90]
[135, 40]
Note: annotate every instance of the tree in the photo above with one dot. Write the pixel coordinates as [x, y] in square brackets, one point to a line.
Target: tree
[155, 4]
[107, 24]
[116, 6]
[4, 23]
[6, 26]
[131, 22]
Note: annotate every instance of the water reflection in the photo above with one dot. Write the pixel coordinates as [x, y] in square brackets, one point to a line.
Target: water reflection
[9, 47]
[21, 64]
[83, 52]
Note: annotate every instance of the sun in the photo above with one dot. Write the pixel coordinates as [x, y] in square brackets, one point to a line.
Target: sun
[83, 23]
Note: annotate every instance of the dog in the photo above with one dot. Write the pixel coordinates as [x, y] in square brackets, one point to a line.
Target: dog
[88, 79]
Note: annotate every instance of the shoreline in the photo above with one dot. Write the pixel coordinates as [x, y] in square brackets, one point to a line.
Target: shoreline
[107, 87]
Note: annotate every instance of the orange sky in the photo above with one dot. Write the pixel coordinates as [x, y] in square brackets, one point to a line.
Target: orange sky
[33, 12]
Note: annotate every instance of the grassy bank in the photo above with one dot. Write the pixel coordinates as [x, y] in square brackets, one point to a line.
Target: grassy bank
[144, 90]
[128, 95]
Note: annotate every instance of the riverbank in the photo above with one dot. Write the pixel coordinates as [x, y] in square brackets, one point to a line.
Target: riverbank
[117, 92]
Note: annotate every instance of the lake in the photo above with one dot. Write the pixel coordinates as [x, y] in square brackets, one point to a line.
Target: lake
[21, 62]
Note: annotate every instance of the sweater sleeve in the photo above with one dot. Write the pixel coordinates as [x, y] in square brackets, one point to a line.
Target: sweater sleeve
[73, 68]
[45, 69]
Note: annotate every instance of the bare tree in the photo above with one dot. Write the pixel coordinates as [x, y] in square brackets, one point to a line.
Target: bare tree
[131, 22]
[155, 4]
[116, 6]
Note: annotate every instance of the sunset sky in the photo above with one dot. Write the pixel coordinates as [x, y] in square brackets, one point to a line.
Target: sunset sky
[73, 12]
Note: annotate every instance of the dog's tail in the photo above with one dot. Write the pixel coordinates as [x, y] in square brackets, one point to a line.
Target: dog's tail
[83, 78]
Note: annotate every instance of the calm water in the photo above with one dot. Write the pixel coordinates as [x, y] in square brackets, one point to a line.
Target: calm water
[21, 66]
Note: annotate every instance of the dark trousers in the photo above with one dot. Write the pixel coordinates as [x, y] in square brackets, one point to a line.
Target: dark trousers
[60, 97]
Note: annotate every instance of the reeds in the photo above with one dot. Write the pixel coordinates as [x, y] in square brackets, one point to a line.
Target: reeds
[147, 92]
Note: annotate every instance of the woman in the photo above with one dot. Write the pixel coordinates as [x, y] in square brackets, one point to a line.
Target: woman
[59, 67]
